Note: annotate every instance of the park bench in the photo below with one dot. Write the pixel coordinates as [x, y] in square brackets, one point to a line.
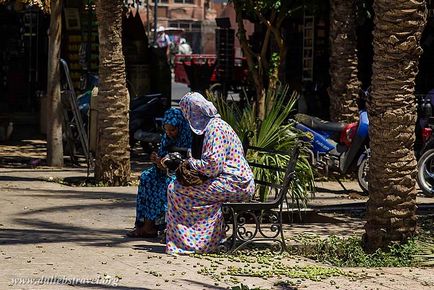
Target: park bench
[261, 221]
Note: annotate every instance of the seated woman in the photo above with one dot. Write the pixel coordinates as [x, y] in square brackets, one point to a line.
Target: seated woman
[194, 216]
[151, 197]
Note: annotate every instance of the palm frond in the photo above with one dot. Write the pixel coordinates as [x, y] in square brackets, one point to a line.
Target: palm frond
[275, 133]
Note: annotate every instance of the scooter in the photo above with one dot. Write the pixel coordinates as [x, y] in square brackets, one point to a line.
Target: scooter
[145, 115]
[425, 156]
[338, 146]
[145, 112]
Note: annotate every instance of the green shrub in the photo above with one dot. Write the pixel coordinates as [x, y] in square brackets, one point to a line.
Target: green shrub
[349, 252]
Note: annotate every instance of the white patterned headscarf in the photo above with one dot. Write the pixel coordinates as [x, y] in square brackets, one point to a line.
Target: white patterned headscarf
[198, 111]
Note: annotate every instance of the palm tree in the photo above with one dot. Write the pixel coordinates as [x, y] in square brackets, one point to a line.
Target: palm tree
[391, 206]
[345, 85]
[112, 154]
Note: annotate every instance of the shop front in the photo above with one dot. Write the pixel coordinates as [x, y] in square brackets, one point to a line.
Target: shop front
[23, 62]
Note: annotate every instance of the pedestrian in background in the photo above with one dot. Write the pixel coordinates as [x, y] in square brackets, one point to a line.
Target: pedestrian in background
[163, 40]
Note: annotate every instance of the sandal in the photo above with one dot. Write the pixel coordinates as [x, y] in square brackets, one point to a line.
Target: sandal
[162, 237]
[136, 233]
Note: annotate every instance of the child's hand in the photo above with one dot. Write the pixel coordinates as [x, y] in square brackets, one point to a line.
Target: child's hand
[156, 160]
[154, 157]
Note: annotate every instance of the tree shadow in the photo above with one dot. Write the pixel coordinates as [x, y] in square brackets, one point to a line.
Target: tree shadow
[46, 170]
[50, 232]
[20, 178]
[96, 193]
[343, 207]
[35, 226]
[32, 153]
[315, 217]
[15, 161]
[337, 191]
[40, 231]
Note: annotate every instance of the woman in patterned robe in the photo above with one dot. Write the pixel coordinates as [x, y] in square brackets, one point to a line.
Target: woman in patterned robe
[194, 216]
[151, 203]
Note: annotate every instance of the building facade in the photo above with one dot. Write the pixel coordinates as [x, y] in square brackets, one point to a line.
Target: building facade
[196, 18]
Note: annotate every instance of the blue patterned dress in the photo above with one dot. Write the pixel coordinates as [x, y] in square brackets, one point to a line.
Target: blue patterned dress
[194, 215]
[152, 191]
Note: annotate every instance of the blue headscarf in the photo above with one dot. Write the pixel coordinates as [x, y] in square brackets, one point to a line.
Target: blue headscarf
[175, 118]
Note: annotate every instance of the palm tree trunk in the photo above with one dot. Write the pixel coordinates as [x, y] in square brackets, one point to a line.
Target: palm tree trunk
[112, 154]
[54, 104]
[344, 87]
[391, 206]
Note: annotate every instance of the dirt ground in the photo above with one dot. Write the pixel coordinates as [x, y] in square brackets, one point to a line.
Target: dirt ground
[55, 236]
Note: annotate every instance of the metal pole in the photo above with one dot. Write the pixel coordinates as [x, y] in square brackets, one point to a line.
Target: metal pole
[37, 50]
[148, 21]
[155, 20]
[30, 72]
[89, 36]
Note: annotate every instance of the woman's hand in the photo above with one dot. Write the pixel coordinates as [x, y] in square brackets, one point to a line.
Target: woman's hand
[160, 165]
[163, 162]
[156, 160]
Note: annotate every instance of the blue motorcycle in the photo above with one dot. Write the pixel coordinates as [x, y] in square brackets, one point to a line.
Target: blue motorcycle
[338, 147]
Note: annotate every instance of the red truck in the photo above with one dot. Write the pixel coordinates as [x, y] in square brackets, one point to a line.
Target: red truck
[202, 68]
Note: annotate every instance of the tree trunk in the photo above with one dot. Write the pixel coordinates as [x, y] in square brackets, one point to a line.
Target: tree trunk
[54, 104]
[344, 84]
[391, 206]
[112, 154]
[252, 63]
[264, 72]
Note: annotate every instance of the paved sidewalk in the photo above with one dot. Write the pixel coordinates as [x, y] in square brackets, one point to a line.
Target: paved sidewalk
[51, 230]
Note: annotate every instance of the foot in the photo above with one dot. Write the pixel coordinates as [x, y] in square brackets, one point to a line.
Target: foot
[162, 237]
[140, 232]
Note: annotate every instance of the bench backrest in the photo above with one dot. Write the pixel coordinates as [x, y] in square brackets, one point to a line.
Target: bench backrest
[275, 176]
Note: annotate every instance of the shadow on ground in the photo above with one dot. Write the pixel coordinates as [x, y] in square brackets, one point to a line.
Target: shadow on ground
[20, 178]
[49, 232]
[34, 226]
[32, 152]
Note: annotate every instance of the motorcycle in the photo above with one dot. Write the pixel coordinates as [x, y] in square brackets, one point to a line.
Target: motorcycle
[145, 115]
[425, 164]
[338, 146]
[145, 112]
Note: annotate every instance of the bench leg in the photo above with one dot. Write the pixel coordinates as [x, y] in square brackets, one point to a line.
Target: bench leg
[241, 236]
[228, 246]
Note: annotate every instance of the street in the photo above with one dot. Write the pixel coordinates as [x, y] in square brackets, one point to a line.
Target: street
[178, 90]
[54, 236]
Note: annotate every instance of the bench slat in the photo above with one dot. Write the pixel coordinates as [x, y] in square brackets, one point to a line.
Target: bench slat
[275, 168]
[266, 183]
[281, 152]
